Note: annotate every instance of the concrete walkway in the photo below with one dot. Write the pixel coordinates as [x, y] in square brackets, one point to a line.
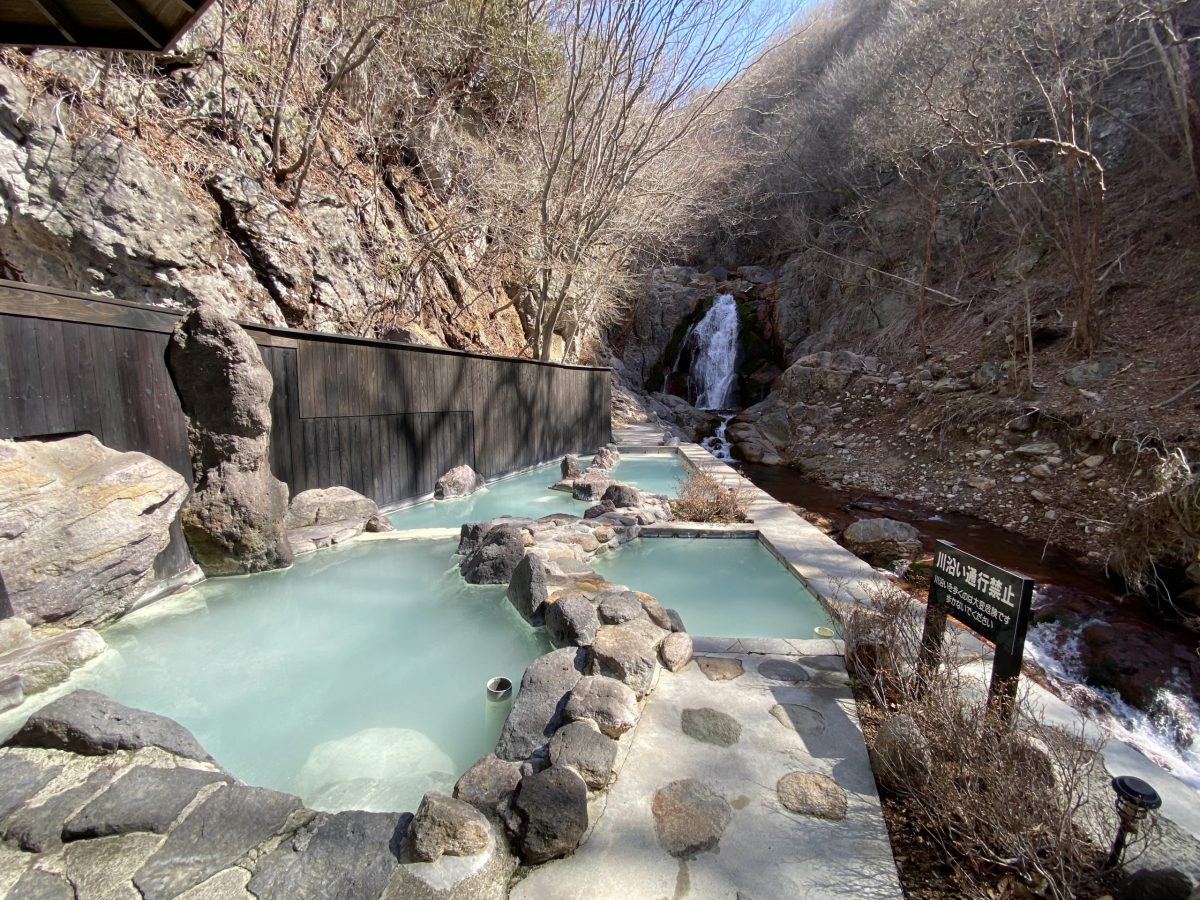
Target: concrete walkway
[701, 806]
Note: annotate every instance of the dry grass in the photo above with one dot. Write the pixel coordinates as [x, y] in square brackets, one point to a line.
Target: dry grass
[1006, 810]
[704, 499]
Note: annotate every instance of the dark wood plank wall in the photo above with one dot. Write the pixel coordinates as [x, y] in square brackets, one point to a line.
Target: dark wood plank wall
[384, 419]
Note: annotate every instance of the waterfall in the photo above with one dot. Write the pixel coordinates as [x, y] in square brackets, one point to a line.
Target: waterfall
[714, 364]
[718, 445]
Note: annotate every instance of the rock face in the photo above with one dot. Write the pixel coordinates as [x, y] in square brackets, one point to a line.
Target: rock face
[689, 817]
[538, 710]
[80, 526]
[447, 826]
[549, 814]
[234, 520]
[882, 539]
[91, 724]
[458, 482]
[900, 756]
[501, 549]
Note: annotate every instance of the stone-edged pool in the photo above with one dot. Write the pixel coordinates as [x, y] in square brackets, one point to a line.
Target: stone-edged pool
[527, 494]
[354, 679]
[722, 587]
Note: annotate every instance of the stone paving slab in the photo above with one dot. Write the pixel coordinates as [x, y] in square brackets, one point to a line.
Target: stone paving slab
[764, 851]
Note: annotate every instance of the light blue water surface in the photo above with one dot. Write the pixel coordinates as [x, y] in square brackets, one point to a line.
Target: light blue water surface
[529, 494]
[721, 587]
[354, 679]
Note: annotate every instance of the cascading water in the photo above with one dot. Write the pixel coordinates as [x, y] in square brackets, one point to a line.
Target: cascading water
[714, 363]
[718, 444]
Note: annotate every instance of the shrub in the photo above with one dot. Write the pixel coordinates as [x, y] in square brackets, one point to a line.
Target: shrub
[1016, 810]
[703, 498]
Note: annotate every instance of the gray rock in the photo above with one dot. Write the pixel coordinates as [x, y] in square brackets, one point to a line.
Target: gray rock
[322, 506]
[12, 694]
[1093, 371]
[783, 670]
[618, 607]
[411, 334]
[572, 621]
[689, 817]
[810, 794]
[378, 524]
[458, 482]
[676, 651]
[901, 756]
[538, 710]
[580, 746]
[600, 509]
[82, 526]
[234, 519]
[607, 458]
[488, 784]
[484, 876]
[21, 779]
[570, 466]
[882, 539]
[755, 274]
[470, 537]
[1037, 450]
[223, 829]
[720, 668]
[143, 799]
[590, 486]
[91, 724]
[501, 549]
[656, 612]
[627, 654]
[611, 704]
[446, 826]
[1155, 884]
[347, 856]
[803, 720]
[38, 829]
[549, 814]
[621, 496]
[50, 662]
[39, 884]
[527, 589]
[711, 726]
[675, 619]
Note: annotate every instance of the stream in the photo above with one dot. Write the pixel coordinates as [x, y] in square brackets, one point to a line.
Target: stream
[1097, 648]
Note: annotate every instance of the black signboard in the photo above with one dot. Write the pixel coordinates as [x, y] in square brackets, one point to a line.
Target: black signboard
[991, 601]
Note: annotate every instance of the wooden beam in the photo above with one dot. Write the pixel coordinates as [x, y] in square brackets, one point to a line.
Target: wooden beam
[60, 18]
[145, 24]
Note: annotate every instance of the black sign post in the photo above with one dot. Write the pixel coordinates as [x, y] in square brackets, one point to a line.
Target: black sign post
[992, 602]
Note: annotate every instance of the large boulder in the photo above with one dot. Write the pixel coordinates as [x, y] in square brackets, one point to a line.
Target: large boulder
[91, 724]
[621, 496]
[488, 784]
[583, 747]
[610, 704]
[549, 814]
[880, 540]
[628, 653]
[80, 527]
[527, 589]
[494, 562]
[572, 621]
[235, 519]
[538, 710]
[325, 506]
[606, 459]
[570, 466]
[458, 482]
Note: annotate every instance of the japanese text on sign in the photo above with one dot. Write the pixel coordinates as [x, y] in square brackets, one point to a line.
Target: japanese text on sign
[991, 601]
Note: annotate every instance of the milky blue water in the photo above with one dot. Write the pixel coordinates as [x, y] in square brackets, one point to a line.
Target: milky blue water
[529, 495]
[354, 679]
[721, 588]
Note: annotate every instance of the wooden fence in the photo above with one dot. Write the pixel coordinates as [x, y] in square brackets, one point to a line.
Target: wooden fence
[382, 418]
